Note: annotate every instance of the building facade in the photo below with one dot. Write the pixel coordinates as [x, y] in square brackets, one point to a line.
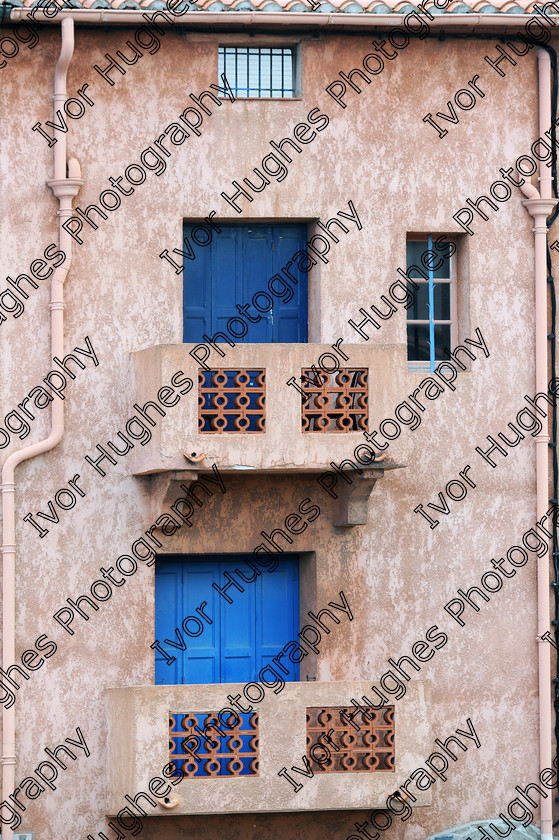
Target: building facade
[271, 291]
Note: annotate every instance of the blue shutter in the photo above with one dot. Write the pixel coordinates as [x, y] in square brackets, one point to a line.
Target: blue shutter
[235, 266]
[201, 659]
[168, 608]
[197, 293]
[277, 615]
[291, 319]
[179, 588]
[225, 278]
[243, 637]
[257, 269]
[238, 631]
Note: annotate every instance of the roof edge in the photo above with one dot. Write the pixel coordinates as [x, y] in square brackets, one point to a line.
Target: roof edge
[471, 22]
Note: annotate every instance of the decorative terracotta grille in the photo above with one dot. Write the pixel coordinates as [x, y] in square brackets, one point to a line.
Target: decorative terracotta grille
[335, 402]
[201, 744]
[231, 401]
[368, 749]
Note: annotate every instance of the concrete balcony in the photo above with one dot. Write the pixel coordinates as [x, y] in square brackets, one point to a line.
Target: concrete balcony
[283, 446]
[140, 739]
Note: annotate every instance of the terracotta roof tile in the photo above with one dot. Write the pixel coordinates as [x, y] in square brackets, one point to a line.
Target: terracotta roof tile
[371, 7]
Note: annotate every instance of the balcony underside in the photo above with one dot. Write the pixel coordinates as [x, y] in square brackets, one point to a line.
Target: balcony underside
[352, 494]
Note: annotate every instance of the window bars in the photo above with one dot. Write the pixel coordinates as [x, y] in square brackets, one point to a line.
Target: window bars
[258, 72]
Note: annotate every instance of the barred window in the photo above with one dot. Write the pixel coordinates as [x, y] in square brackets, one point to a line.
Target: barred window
[259, 72]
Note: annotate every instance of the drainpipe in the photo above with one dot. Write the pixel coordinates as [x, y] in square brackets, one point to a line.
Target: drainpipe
[64, 188]
[540, 205]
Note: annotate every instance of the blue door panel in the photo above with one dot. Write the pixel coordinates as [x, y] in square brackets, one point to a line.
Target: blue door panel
[167, 617]
[243, 637]
[197, 297]
[225, 281]
[201, 658]
[287, 328]
[237, 630]
[174, 582]
[296, 311]
[234, 267]
[278, 611]
[257, 263]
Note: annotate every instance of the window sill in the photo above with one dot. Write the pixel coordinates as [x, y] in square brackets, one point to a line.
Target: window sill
[426, 371]
[266, 98]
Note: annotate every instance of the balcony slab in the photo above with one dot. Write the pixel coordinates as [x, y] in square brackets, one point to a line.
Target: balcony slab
[284, 446]
[139, 749]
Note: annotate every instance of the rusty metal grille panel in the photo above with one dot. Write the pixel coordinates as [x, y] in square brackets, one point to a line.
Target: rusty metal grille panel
[201, 744]
[369, 749]
[231, 401]
[335, 402]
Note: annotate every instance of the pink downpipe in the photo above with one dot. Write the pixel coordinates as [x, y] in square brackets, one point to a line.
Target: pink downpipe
[64, 188]
[540, 205]
[544, 174]
[542, 504]
[542, 449]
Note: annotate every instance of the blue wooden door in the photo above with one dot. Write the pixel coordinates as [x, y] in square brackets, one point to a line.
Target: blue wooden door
[243, 637]
[235, 266]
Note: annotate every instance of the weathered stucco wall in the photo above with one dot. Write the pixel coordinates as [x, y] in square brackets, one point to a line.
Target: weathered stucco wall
[396, 572]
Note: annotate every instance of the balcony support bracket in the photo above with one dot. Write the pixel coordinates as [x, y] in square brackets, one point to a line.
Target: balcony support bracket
[351, 505]
[165, 488]
[350, 489]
